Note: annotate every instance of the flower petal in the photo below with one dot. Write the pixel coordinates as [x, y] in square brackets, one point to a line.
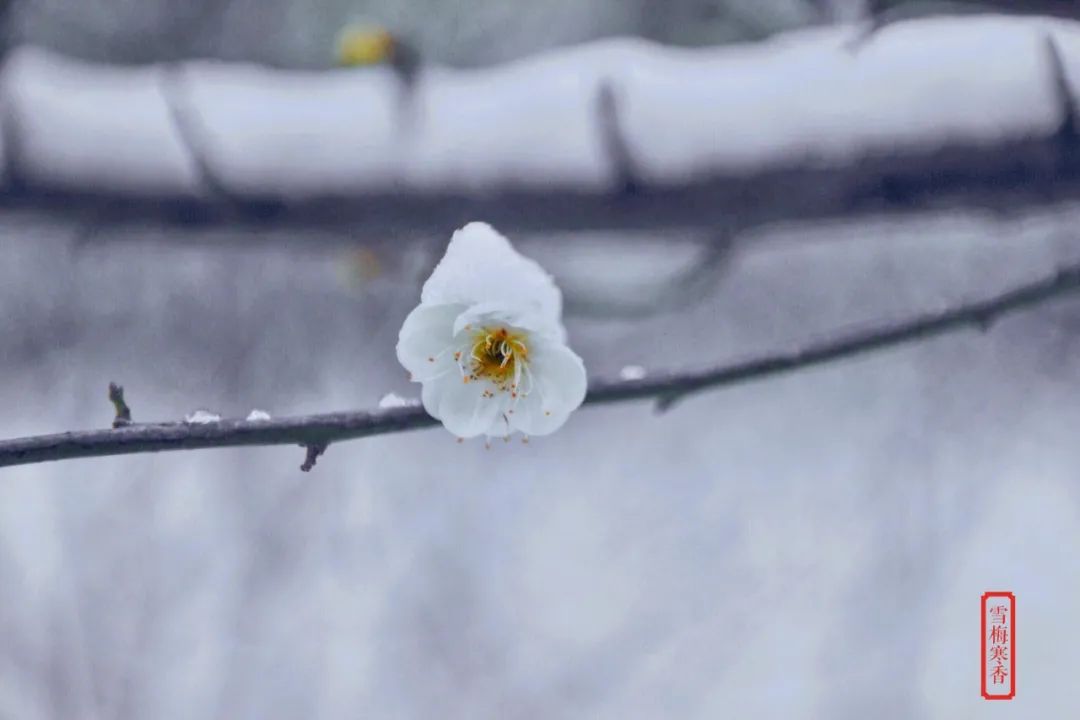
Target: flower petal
[481, 266]
[495, 314]
[558, 388]
[463, 408]
[424, 339]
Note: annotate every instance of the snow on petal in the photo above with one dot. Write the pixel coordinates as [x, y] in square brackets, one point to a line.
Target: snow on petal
[481, 266]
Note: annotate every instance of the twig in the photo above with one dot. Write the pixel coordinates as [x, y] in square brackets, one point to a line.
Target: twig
[319, 431]
[123, 412]
[624, 167]
[194, 139]
[175, 94]
[311, 455]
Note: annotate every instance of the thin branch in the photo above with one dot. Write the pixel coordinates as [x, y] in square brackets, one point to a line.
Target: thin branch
[311, 456]
[624, 167]
[174, 91]
[123, 412]
[195, 140]
[681, 289]
[318, 431]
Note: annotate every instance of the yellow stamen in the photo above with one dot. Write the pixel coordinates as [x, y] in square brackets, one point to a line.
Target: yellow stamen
[498, 354]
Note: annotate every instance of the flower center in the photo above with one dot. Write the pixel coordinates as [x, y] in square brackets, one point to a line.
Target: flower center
[498, 354]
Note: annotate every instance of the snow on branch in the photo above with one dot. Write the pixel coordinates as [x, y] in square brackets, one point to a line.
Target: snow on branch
[943, 110]
[316, 432]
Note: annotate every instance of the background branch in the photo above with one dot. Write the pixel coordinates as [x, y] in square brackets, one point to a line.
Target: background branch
[743, 175]
[315, 432]
[195, 140]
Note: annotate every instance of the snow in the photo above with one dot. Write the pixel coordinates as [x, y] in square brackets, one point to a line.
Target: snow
[85, 127]
[800, 97]
[201, 417]
[632, 372]
[482, 270]
[298, 133]
[393, 400]
[806, 95]
[257, 415]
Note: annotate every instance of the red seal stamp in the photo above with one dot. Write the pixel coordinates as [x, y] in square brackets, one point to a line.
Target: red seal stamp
[998, 661]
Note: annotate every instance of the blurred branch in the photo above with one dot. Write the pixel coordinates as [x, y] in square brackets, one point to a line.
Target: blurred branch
[316, 432]
[1030, 164]
[188, 129]
[703, 272]
[620, 156]
[1012, 174]
[195, 141]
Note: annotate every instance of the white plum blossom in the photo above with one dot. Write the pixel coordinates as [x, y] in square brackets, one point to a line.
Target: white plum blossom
[487, 342]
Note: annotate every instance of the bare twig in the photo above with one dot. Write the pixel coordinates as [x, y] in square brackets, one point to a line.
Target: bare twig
[123, 412]
[311, 455]
[318, 431]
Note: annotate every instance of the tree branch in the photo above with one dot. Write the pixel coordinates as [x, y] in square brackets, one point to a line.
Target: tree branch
[196, 143]
[315, 432]
[624, 167]
[798, 174]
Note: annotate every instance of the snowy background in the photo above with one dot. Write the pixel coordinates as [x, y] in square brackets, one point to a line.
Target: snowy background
[811, 546]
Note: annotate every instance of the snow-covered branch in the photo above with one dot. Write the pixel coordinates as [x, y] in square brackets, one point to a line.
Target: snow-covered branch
[615, 134]
[316, 432]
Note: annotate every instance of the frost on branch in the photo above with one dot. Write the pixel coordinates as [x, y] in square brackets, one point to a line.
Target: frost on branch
[201, 417]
